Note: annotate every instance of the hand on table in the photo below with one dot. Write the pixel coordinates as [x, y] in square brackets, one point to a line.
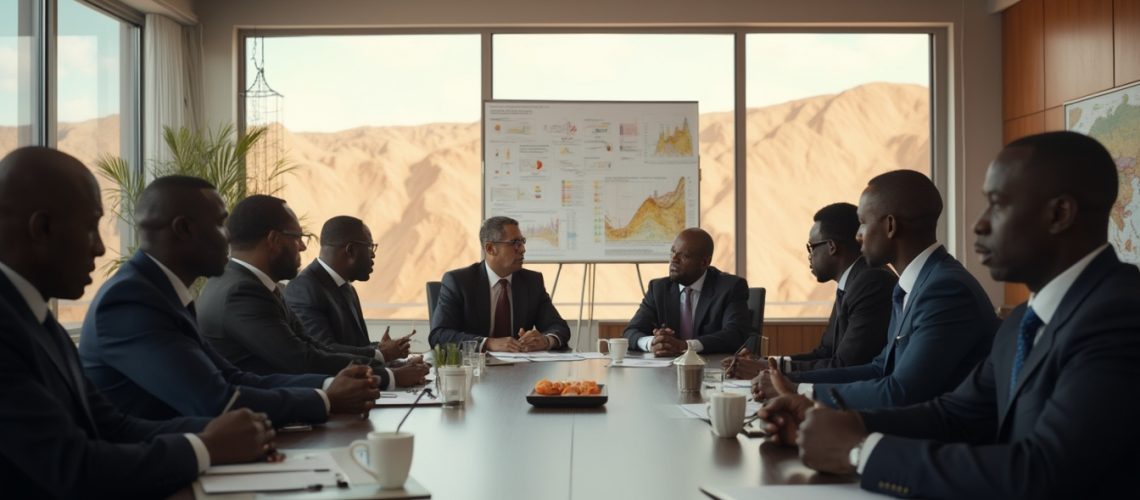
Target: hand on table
[393, 349]
[354, 390]
[502, 344]
[534, 340]
[238, 436]
[744, 367]
[666, 344]
[782, 416]
[411, 374]
[771, 383]
[827, 436]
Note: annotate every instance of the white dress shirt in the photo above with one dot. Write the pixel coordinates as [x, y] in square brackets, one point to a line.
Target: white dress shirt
[1044, 303]
[36, 303]
[493, 281]
[646, 343]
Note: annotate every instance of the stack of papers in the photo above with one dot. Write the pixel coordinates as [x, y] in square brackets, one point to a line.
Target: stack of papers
[529, 357]
[405, 398]
[643, 363]
[300, 470]
[789, 492]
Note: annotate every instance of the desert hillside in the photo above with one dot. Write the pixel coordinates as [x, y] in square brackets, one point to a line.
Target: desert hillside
[418, 188]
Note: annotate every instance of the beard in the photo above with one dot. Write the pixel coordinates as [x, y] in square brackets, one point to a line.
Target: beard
[284, 267]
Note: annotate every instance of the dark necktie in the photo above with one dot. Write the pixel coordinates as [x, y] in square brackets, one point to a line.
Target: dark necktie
[1027, 331]
[65, 349]
[687, 314]
[193, 310]
[897, 303]
[839, 297]
[503, 310]
[353, 304]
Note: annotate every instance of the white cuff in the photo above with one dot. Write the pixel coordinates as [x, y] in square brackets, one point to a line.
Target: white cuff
[695, 345]
[645, 343]
[785, 364]
[379, 356]
[200, 452]
[325, 398]
[328, 381]
[865, 451]
[807, 390]
[481, 344]
[391, 380]
[555, 342]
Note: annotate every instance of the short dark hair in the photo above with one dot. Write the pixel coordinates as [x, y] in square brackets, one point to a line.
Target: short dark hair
[159, 201]
[253, 218]
[839, 222]
[340, 229]
[910, 196]
[1075, 164]
[492, 228]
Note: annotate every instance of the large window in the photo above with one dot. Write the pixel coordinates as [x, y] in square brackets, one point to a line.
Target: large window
[826, 112]
[384, 128]
[19, 33]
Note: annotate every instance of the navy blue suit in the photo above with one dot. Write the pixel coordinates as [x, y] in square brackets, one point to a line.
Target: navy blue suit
[142, 348]
[60, 438]
[1070, 429]
[946, 329]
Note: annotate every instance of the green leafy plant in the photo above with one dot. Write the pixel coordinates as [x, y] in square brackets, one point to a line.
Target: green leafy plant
[446, 354]
[215, 155]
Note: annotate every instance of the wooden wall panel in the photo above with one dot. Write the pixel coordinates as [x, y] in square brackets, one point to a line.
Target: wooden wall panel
[783, 338]
[1126, 36]
[1055, 119]
[1023, 56]
[1021, 127]
[1078, 49]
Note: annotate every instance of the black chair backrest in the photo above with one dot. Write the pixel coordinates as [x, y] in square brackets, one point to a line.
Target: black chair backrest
[432, 296]
[756, 309]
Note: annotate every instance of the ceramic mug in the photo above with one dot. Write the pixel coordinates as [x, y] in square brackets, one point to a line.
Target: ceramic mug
[389, 457]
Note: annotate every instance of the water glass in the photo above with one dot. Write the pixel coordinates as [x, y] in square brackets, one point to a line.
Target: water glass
[712, 381]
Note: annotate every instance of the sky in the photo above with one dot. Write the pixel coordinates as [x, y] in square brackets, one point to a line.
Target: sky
[332, 83]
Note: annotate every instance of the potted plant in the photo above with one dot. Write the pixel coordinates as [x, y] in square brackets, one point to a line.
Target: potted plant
[452, 379]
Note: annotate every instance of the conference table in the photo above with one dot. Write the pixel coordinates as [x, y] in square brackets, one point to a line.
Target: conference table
[498, 446]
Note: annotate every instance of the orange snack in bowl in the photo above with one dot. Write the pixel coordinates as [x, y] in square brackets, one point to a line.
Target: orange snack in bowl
[571, 390]
[567, 387]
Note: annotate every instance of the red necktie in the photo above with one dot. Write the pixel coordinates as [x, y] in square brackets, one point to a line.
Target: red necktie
[503, 310]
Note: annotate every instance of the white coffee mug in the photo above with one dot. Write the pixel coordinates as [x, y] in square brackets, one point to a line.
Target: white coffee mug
[726, 412]
[389, 457]
[616, 347]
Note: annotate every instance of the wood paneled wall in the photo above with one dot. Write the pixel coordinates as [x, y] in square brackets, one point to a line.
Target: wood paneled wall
[784, 337]
[1054, 51]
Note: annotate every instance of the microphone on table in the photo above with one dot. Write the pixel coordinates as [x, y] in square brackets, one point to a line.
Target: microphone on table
[427, 391]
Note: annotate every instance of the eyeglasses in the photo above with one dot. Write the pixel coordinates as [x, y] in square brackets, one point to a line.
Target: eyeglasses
[370, 246]
[305, 237]
[519, 243]
[811, 246]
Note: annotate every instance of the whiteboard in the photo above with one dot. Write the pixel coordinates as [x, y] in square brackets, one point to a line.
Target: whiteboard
[593, 181]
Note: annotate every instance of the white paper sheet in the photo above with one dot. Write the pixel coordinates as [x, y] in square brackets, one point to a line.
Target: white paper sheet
[295, 460]
[269, 481]
[791, 492]
[404, 398]
[642, 363]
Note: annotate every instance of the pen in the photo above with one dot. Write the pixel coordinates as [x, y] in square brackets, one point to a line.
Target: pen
[839, 402]
[233, 399]
[732, 364]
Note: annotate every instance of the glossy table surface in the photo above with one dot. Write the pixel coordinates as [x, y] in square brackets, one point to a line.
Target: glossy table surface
[636, 446]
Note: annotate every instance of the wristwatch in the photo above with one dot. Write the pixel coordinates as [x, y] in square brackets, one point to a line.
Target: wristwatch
[855, 454]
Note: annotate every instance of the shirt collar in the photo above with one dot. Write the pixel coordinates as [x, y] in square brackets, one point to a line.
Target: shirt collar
[179, 288]
[697, 285]
[1046, 301]
[493, 278]
[265, 279]
[910, 275]
[843, 278]
[32, 296]
[335, 276]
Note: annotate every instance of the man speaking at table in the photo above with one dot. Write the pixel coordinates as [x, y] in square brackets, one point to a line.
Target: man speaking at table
[1053, 411]
[697, 307]
[496, 301]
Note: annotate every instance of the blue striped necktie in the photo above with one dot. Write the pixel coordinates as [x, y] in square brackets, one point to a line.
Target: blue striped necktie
[1027, 331]
[897, 302]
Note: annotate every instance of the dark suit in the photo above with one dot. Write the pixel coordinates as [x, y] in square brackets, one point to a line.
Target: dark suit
[464, 308]
[856, 330]
[331, 314]
[1069, 431]
[720, 322]
[141, 347]
[945, 330]
[60, 438]
[254, 329]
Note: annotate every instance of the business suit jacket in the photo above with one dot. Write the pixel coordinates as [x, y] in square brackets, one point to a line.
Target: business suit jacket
[857, 328]
[1069, 431]
[142, 348]
[325, 311]
[464, 308]
[945, 330]
[60, 438]
[721, 321]
[254, 329]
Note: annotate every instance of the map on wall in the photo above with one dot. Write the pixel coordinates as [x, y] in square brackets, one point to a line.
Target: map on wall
[1113, 118]
[592, 181]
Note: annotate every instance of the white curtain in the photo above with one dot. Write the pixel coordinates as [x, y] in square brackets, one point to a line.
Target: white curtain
[172, 69]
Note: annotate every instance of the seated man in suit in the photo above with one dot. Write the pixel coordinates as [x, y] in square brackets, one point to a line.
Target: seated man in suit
[323, 297]
[140, 343]
[59, 437]
[496, 301]
[857, 328]
[243, 315]
[697, 307]
[942, 324]
[1052, 411]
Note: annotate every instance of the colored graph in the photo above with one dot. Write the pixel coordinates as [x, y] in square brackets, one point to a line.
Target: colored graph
[658, 217]
[677, 142]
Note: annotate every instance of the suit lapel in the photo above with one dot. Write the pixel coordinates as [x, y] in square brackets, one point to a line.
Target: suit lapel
[482, 298]
[673, 303]
[342, 300]
[708, 293]
[899, 328]
[150, 271]
[520, 291]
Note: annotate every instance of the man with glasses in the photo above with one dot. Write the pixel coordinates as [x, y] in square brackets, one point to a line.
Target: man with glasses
[856, 329]
[323, 297]
[697, 307]
[942, 322]
[243, 314]
[496, 301]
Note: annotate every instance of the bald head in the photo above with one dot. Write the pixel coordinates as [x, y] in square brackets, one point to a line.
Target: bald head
[1073, 164]
[49, 220]
[690, 255]
[181, 222]
[910, 197]
[168, 198]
